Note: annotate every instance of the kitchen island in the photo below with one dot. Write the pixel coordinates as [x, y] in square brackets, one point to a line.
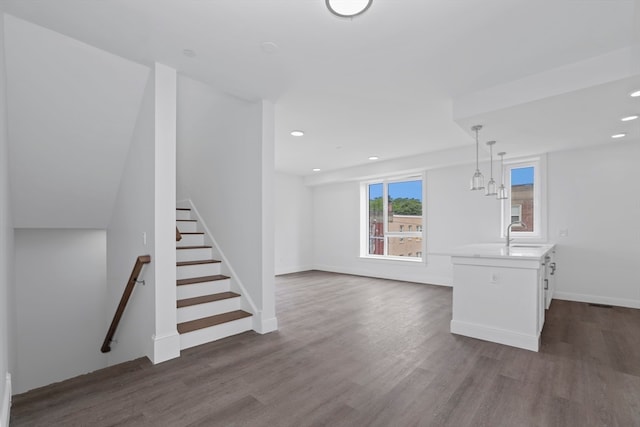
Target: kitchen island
[500, 293]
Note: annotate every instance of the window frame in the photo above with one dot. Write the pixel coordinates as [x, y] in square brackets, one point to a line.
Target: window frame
[539, 232]
[364, 219]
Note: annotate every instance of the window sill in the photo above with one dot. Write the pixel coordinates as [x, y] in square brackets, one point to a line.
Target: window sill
[396, 260]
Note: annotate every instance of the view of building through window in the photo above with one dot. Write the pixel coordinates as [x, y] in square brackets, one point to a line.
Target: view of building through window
[522, 198]
[402, 233]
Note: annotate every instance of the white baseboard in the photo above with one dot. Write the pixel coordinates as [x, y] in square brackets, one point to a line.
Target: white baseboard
[166, 347]
[426, 279]
[514, 339]
[296, 269]
[264, 326]
[6, 402]
[596, 299]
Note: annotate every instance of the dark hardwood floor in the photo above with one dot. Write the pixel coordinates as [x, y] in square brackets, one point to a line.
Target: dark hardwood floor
[355, 351]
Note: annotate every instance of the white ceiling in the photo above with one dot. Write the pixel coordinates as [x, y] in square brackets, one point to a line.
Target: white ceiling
[385, 83]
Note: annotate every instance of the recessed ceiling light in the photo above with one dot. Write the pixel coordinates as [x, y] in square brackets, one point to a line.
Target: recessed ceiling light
[619, 135]
[374, 158]
[628, 118]
[635, 94]
[316, 169]
[297, 133]
[189, 53]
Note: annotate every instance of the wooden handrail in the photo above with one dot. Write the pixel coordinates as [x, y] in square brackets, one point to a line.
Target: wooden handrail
[178, 235]
[142, 259]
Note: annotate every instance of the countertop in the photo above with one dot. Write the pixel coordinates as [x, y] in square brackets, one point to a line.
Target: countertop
[500, 250]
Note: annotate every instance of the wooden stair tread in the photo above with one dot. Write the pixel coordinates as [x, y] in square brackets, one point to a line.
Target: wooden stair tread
[187, 220]
[206, 298]
[207, 322]
[202, 261]
[193, 247]
[183, 209]
[192, 232]
[192, 280]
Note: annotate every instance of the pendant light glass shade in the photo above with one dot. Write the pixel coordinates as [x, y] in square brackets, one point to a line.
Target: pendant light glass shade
[492, 187]
[502, 190]
[477, 181]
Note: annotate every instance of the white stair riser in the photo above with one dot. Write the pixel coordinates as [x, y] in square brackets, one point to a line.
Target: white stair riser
[213, 333]
[198, 270]
[199, 311]
[204, 288]
[191, 240]
[180, 214]
[193, 254]
[187, 226]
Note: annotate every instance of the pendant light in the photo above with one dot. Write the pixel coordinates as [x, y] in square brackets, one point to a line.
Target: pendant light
[477, 181]
[491, 185]
[502, 191]
[348, 8]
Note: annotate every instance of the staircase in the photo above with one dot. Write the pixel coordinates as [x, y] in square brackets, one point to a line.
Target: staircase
[207, 309]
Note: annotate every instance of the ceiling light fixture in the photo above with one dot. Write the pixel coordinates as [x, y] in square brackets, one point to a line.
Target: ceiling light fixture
[348, 8]
[502, 191]
[374, 158]
[316, 169]
[635, 94]
[628, 118]
[477, 181]
[491, 185]
[618, 135]
[297, 133]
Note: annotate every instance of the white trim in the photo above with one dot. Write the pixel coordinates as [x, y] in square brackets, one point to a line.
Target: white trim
[501, 336]
[6, 402]
[293, 269]
[166, 347]
[420, 277]
[264, 326]
[596, 299]
[235, 279]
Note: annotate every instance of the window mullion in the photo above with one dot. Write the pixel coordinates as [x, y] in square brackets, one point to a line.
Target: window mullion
[385, 216]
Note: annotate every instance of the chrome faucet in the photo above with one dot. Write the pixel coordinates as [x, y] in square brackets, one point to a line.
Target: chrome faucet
[519, 223]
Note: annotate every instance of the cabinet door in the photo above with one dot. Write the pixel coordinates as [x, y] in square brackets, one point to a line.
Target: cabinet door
[550, 276]
[541, 297]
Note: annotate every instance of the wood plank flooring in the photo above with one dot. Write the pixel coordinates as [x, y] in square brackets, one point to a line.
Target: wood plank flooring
[356, 351]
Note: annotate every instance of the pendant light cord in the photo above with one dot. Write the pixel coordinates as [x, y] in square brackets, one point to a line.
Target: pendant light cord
[477, 151]
[491, 156]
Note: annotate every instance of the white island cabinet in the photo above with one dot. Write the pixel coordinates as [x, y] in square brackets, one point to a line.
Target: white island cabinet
[500, 293]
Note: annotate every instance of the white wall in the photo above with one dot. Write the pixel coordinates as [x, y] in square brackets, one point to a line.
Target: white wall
[7, 304]
[594, 196]
[60, 292]
[293, 224]
[133, 216]
[220, 168]
[455, 216]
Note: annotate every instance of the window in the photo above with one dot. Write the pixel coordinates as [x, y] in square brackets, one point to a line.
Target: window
[392, 210]
[525, 185]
